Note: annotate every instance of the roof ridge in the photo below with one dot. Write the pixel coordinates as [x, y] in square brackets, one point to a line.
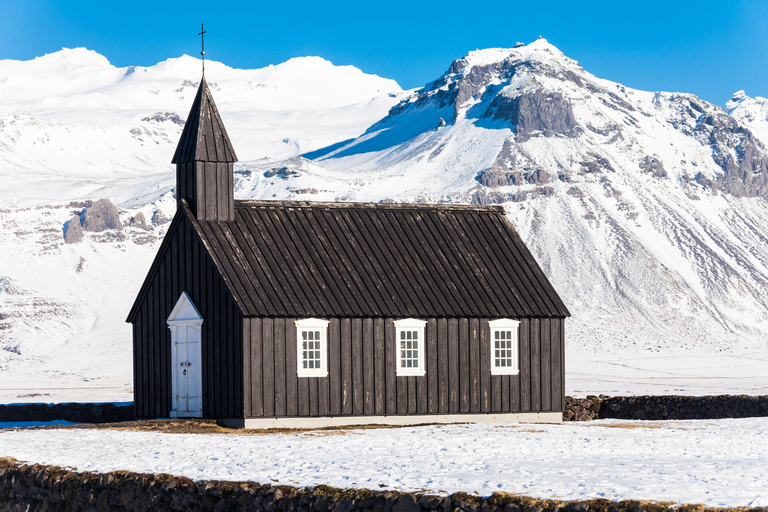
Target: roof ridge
[265, 203]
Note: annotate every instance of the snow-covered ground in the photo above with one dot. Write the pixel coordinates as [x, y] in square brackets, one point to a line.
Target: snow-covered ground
[715, 462]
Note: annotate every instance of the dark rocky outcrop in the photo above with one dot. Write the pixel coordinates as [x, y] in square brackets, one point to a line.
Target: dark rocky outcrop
[596, 164]
[158, 219]
[739, 154]
[654, 166]
[73, 232]
[101, 216]
[501, 178]
[140, 222]
[37, 487]
[281, 172]
[535, 112]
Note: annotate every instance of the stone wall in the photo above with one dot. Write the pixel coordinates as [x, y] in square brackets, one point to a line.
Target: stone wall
[74, 412]
[36, 487]
[669, 407]
[665, 407]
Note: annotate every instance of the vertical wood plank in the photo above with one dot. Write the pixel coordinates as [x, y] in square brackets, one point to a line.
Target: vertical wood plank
[442, 365]
[279, 340]
[474, 365]
[154, 367]
[514, 383]
[145, 355]
[464, 365]
[213, 335]
[453, 364]
[432, 375]
[257, 393]
[496, 393]
[389, 370]
[247, 375]
[422, 389]
[207, 341]
[231, 189]
[313, 395]
[334, 366]
[412, 394]
[506, 389]
[296, 390]
[357, 367]
[268, 365]
[210, 183]
[346, 366]
[402, 382]
[525, 364]
[169, 303]
[485, 366]
[222, 188]
[556, 377]
[165, 362]
[138, 370]
[369, 407]
[231, 375]
[379, 365]
[545, 364]
[535, 364]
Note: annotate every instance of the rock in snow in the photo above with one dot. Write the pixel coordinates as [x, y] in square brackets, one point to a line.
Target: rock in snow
[73, 232]
[139, 221]
[101, 216]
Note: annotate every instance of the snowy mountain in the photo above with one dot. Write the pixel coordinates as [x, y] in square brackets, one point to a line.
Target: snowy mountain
[645, 209]
[73, 126]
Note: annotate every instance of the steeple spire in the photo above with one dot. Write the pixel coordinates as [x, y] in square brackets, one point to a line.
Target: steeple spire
[204, 158]
[202, 42]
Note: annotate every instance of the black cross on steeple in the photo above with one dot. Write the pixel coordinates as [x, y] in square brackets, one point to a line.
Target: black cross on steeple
[202, 35]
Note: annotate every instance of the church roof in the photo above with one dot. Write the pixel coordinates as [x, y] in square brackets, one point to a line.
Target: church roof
[204, 138]
[303, 259]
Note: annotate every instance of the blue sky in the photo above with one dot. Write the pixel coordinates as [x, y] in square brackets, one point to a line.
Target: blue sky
[708, 48]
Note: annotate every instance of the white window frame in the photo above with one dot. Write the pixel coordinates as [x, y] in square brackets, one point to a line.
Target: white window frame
[312, 324]
[410, 324]
[505, 324]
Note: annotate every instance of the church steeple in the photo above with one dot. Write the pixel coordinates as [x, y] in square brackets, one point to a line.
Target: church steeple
[204, 158]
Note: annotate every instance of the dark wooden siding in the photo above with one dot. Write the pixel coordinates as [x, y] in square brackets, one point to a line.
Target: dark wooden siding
[208, 188]
[183, 264]
[361, 370]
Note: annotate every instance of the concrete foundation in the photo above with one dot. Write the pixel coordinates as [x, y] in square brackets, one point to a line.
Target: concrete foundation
[343, 421]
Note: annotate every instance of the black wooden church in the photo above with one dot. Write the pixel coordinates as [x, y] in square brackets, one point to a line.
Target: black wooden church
[280, 313]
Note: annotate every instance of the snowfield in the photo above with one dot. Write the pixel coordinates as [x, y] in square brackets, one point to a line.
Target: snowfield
[715, 462]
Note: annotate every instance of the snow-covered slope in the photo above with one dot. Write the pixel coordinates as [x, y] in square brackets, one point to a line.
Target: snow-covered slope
[646, 210]
[74, 126]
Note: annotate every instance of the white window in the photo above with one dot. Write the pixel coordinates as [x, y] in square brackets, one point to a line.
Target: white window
[409, 346]
[312, 347]
[504, 346]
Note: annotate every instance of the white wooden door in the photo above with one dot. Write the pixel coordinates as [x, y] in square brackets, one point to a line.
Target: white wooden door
[187, 371]
[186, 324]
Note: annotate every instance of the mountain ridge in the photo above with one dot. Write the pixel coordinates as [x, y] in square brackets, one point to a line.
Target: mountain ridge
[645, 209]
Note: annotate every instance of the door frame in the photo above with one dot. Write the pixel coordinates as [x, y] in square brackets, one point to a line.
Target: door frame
[183, 316]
